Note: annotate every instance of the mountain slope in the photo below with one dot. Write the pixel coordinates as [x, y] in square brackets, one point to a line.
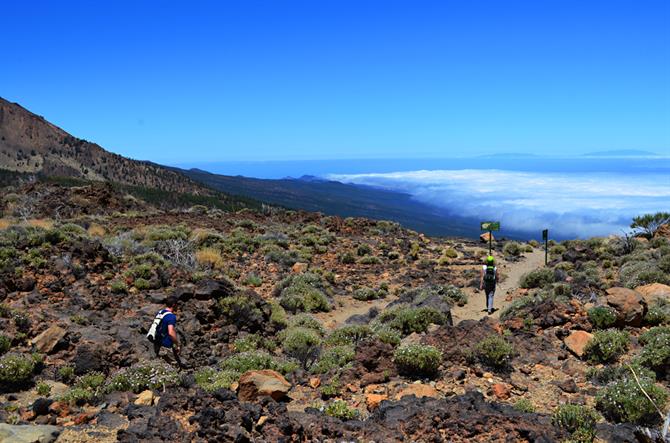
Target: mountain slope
[30, 144]
[335, 198]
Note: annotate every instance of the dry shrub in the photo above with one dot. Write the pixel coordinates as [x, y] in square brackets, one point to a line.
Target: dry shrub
[95, 230]
[5, 223]
[40, 223]
[209, 258]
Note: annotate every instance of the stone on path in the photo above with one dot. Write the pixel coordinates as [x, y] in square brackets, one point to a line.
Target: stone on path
[28, 433]
[629, 304]
[47, 340]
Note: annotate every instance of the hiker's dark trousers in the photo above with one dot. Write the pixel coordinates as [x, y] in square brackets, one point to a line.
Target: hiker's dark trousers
[490, 292]
[157, 349]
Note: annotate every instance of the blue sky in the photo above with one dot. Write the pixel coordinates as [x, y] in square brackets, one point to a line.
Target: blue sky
[179, 82]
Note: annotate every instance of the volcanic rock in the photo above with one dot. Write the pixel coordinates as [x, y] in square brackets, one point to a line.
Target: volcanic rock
[576, 342]
[629, 304]
[654, 292]
[46, 342]
[254, 384]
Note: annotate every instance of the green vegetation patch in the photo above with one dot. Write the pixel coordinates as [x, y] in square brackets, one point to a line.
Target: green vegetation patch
[607, 346]
[418, 360]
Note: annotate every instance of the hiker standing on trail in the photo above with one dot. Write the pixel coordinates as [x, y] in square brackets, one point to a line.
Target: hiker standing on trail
[163, 331]
[488, 280]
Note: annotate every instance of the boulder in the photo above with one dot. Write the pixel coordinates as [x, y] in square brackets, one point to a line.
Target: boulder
[576, 342]
[485, 237]
[654, 292]
[629, 304]
[418, 390]
[373, 400]
[46, 342]
[254, 384]
[144, 398]
[28, 433]
[209, 289]
[299, 268]
[501, 391]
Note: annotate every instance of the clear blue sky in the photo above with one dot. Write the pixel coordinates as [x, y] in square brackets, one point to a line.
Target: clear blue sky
[257, 80]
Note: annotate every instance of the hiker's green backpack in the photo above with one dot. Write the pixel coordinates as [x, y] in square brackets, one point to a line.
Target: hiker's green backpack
[490, 274]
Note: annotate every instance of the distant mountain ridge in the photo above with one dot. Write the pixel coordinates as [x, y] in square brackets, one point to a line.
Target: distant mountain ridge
[622, 153]
[31, 144]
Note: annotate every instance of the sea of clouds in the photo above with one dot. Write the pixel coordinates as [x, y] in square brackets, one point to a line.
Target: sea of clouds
[569, 204]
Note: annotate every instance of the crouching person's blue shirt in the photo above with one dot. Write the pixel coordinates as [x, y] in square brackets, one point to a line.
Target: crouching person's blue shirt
[169, 319]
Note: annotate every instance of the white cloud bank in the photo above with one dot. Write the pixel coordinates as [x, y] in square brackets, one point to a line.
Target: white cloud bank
[569, 204]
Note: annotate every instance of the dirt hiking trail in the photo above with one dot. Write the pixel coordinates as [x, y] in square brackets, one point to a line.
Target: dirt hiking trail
[476, 306]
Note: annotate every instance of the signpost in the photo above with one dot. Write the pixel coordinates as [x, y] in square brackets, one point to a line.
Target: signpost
[490, 226]
[545, 237]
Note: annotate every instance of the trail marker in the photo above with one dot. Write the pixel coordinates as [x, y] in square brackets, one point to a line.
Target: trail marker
[545, 237]
[490, 226]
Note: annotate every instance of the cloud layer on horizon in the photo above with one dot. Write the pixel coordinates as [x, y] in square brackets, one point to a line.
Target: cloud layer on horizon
[569, 204]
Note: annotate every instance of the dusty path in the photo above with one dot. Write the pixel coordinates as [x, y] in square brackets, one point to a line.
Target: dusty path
[476, 306]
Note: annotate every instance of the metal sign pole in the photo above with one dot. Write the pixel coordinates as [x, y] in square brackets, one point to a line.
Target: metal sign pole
[545, 237]
[490, 241]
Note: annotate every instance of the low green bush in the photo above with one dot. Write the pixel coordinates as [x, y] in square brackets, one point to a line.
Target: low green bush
[624, 402]
[658, 313]
[303, 292]
[363, 250]
[349, 335]
[66, 374]
[303, 344]
[211, 380]
[348, 258]
[307, 321]
[5, 344]
[43, 389]
[118, 287]
[339, 409]
[255, 361]
[602, 317]
[388, 335]
[407, 320]
[512, 249]
[494, 351]
[607, 346]
[655, 353]
[524, 405]
[336, 357]
[579, 421]
[332, 388]
[16, 369]
[365, 294]
[537, 278]
[143, 375]
[418, 360]
[370, 260]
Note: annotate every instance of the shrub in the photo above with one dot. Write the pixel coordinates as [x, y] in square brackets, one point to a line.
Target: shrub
[66, 374]
[602, 317]
[253, 280]
[656, 351]
[5, 344]
[302, 344]
[336, 357]
[43, 389]
[209, 258]
[143, 375]
[142, 284]
[609, 374]
[255, 360]
[348, 335]
[407, 320]
[365, 294]
[370, 260]
[455, 294]
[339, 409]
[278, 315]
[623, 402]
[638, 273]
[363, 250]
[388, 335]
[450, 253]
[347, 258]
[240, 310]
[537, 278]
[118, 287]
[307, 321]
[606, 346]
[332, 388]
[16, 369]
[303, 292]
[512, 249]
[658, 313]
[648, 224]
[418, 360]
[579, 421]
[210, 380]
[524, 405]
[494, 351]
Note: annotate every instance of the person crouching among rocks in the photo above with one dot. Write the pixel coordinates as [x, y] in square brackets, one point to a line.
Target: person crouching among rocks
[487, 282]
[163, 330]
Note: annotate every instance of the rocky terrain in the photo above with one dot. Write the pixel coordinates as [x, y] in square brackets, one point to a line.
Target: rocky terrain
[301, 327]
